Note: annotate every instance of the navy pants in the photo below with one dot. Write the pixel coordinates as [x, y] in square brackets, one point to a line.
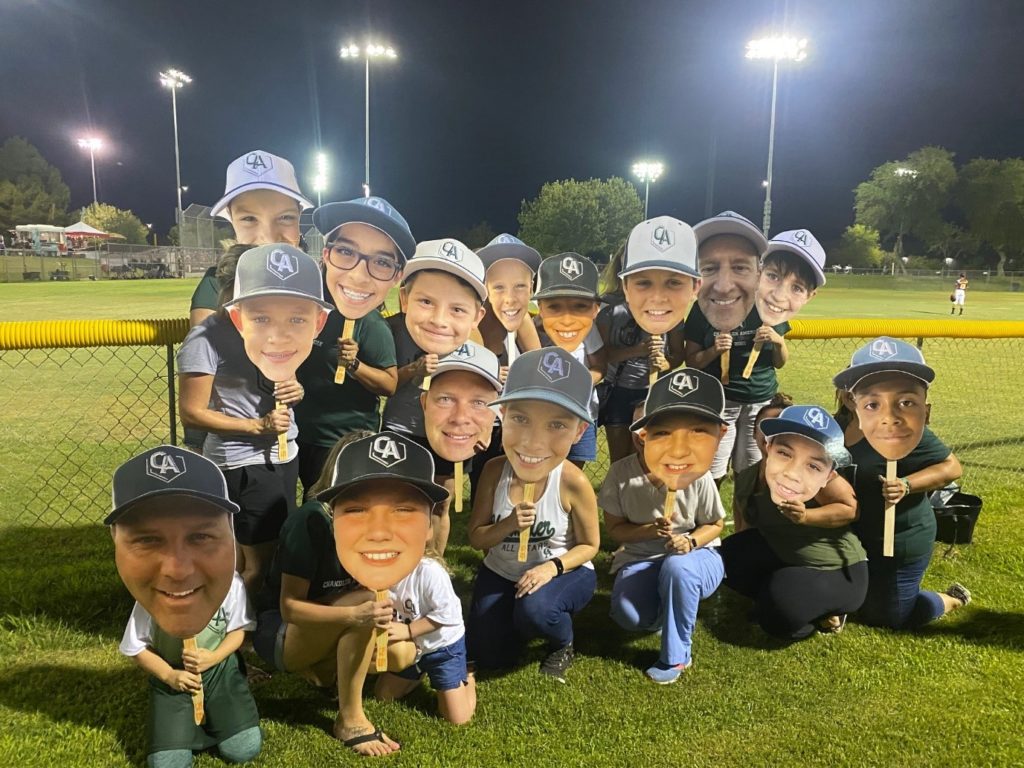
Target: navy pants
[895, 598]
[499, 623]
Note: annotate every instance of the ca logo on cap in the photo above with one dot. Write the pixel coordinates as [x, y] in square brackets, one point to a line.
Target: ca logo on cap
[553, 367]
[282, 264]
[662, 238]
[816, 418]
[571, 268]
[882, 349]
[683, 384]
[801, 237]
[164, 466]
[464, 352]
[258, 164]
[506, 239]
[386, 450]
[380, 205]
[451, 251]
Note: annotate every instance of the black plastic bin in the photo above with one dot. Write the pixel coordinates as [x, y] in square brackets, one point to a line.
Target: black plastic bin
[956, 515]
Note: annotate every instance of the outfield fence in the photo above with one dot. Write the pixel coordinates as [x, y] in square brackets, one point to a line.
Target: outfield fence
[79, 397]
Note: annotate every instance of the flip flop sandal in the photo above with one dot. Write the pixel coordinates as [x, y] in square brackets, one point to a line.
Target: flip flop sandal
[355, 741]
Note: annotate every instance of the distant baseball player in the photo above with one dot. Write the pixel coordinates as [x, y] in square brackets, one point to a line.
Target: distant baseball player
[959, 293]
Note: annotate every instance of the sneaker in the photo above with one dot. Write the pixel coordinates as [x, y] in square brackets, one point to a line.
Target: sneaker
[557, 662]
[832, 625]
[959, 592]
[666, 674]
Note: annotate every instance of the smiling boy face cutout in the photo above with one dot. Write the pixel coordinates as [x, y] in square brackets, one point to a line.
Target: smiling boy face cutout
[659, 273]
[796, 468]
[567, 298]
[792, 270]
[509, 285]
[567, 320]
[658, 299]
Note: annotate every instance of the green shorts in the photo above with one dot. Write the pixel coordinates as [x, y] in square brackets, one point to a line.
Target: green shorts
[229, 707]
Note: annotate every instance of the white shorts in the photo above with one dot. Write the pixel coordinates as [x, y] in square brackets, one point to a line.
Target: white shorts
[959, 295]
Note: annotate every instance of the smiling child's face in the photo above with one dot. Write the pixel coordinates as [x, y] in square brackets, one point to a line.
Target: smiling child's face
[440, 311]
[537, 436]
[567, 320]
[355, 291]
[278, 332]
[658, 299]
[781, 293]
[893, 410]
[509, 284]
[679, 447]
[796, 468]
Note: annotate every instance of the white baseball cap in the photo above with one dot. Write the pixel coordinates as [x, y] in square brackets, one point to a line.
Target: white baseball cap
[474, 358]
[259, 170]
[661, 243]
[803, 244]
[451, 256]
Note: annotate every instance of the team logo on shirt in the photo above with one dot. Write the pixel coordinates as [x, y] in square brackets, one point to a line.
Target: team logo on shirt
[801, 237]
[883, 349]
[451, 251]
[387, 451]
[282, 264]
[683, 384]
[165, 466]
[816, 418]
[662, 238]
[258, 164]
[571, 268]
[553, 367]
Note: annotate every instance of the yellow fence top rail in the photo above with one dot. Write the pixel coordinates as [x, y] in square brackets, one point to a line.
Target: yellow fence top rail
[858, 328]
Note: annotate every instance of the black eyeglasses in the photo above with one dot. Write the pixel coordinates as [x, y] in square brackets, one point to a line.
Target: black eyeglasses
[379, 267]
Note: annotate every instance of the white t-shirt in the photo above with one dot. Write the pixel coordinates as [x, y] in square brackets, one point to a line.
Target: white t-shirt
[428, 592]
[627, 493]
[142, 632]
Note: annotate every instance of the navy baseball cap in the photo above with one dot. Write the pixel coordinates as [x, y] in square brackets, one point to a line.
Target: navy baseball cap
[164, 471]
[803, 244]
[567, 274]
[811, 422]
[730, 223]
[278, 269]
[372, 211]
[687, 390]
[474, 358]
[384, 456]
[551, 375]
[661, 243]
[884, 355]
[506, 246]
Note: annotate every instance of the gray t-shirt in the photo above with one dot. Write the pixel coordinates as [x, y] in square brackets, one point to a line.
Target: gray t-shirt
[403, 411]
[627, 493]
[622, 331]
[215, 348]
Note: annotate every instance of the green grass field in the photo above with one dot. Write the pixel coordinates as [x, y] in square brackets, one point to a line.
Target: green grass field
[950, 694]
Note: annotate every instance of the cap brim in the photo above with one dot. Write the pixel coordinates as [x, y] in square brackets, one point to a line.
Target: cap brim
[565, 290]
[697, 410]
[669, 266]
[443, 265]
[489, 254]
[218, 501]
[834, 448]
[548, 396]
[329, 217]
[727, 225]
[434, 493]
[281, 292]
[796, 250]
[849, 378]
[454, 365]
[220, 209]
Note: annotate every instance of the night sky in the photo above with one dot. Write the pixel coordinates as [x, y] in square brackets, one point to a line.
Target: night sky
[488, 100]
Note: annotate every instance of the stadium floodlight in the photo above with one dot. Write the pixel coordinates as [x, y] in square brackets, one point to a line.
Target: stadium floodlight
[775, 49]
[175, 79]
[371, 50]
[320, 179]
[92, 144]
[648, 172]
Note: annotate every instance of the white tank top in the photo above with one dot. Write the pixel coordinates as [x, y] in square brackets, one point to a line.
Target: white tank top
[511, 347]
[551, 535]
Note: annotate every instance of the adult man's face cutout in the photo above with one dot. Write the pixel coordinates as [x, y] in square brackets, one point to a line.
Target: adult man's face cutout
[456, 417]
[658, 299]
[893, 410]
[381, 530]
[567, 320]
[176, 556]
[278, 332]
[729, 275]
[357, 265]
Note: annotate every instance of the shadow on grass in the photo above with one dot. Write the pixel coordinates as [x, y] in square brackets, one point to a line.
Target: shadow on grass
[65, 574]
[982, 626]
[724, 614]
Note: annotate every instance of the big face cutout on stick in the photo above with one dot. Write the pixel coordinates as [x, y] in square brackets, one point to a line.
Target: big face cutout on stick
[456, 413]
[659, 273]
[174, 544]
[792, 270]
[729, 275]
[804, 445]
[278, 308]
[511, 265]
[568, 299]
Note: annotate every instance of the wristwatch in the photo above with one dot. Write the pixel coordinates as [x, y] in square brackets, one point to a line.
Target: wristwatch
[558, 566]
[693, 542]
[353, 366]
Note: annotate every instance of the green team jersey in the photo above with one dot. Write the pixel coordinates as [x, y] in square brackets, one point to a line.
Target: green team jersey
[762, 383]
[207, 293]
[915, 520]
[807, 546]
[329, 411]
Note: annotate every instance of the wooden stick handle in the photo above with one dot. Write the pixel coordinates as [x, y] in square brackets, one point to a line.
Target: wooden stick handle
[426, 383]
[524, 535]
[346, 333]
[198, 700]
[381, 639]
[282, 438]
[725, 366]
[670, 503]
[758, 346]
[459, 482]
[889, 525]
[655, 372]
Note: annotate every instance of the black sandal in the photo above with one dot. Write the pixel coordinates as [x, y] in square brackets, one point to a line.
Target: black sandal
[355, 741]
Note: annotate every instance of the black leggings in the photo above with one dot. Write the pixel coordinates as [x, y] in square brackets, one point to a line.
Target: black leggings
[789, 599]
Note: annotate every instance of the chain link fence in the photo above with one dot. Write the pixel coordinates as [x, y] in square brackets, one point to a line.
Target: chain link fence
[70, 412]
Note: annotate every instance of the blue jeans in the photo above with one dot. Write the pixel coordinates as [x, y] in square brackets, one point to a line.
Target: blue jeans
[586, 448]
[665, 593]
[499, 624]
[895, 598]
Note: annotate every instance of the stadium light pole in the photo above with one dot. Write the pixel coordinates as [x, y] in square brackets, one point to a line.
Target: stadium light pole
[320, 180]
[777, 49]
[174, 79]
[92, 144]
[648, 172]
[369, 51]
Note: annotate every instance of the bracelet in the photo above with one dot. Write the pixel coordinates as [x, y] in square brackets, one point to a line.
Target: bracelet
[693, 542]
[354, 366]
[906, 485]
[558, 566]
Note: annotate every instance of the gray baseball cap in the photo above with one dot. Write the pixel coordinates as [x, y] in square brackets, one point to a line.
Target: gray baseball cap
[567, 274]
[803, 244]
[164, 471]
[451, 256]
[730, 223]
[474, 358]
[384, 456]
[375, 212]
[259, 169]
[551, 375]
[687, 390]
[278, 269]
[661, 243]
[884, 355]
[506, 246]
